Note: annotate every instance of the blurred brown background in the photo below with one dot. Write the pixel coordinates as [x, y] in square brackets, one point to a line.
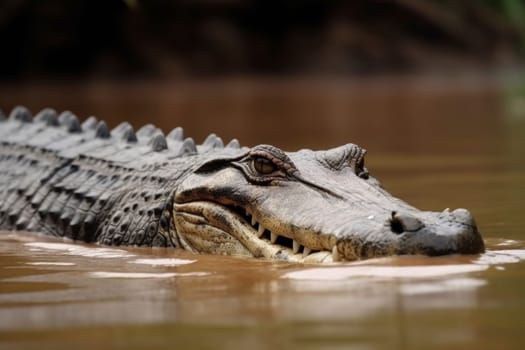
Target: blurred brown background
[183, 38]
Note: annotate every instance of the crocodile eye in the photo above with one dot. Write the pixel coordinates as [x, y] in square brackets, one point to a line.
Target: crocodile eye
[264, 166]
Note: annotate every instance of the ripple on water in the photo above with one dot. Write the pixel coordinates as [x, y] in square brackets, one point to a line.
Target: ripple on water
[78, 250]
[383, 272]
[50, 263]
[135, 275]
[503, 242]
[498, 257]
[163, 262]
[442, 286]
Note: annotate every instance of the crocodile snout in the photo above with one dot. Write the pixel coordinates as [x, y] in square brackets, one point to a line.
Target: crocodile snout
[437, 233]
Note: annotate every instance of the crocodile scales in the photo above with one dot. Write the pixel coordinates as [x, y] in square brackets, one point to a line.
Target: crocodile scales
[65, 178]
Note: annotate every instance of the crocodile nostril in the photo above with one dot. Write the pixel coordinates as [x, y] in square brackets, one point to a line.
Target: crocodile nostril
[395, 224]
[400, 223]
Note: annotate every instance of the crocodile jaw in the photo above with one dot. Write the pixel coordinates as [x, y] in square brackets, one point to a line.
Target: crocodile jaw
[209, 227]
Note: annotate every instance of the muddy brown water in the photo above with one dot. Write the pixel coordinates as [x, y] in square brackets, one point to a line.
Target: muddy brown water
[434, 142]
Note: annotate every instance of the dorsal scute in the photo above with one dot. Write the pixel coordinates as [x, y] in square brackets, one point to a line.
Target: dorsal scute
[146, 131]
[64, 117]
[234, 143]
[121, 128]
[48, 116]
[158, 143]
[90, 123]
[176, 134]
[22, 114]
[102, 131]
[148, 136]
[73, 124]
[129, 135]
[188, 147]
[213, 141]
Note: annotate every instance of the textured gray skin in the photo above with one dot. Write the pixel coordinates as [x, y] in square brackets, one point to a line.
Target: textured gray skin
[119, 187]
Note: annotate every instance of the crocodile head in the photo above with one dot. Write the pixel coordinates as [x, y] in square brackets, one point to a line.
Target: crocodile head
[311, 206]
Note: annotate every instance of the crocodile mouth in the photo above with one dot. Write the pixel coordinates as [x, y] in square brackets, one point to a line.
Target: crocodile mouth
[211, 227]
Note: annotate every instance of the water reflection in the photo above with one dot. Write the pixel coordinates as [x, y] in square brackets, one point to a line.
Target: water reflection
[140, 286]
[78, 250]
[383, 272]
[106, 274]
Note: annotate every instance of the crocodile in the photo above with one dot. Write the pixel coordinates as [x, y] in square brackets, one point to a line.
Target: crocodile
[82, 181]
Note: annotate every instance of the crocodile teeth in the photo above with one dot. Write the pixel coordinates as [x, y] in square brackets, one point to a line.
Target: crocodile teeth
[260, 231]
[296, 247]
[335, 254]
[306, 251]
[273, 237]
[253, 221]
